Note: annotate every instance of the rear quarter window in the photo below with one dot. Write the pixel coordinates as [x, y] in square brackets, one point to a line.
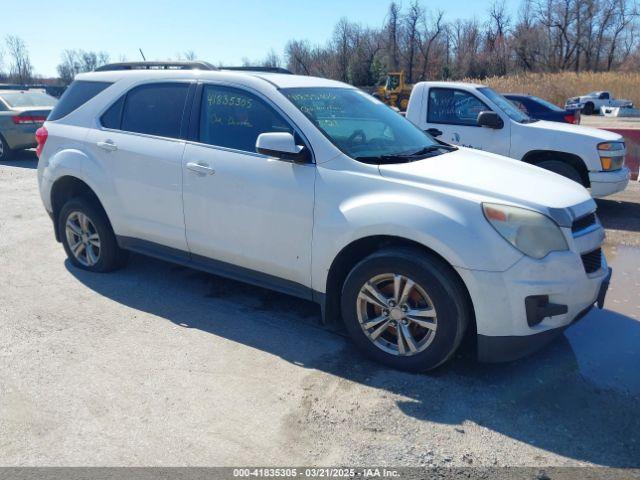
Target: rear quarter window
[78, 93]
[153, 109]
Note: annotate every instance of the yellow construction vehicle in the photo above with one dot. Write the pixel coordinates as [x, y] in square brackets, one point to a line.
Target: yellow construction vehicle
[394, 92]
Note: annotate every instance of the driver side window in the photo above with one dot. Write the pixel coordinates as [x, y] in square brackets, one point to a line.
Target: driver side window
[454, 107]
[233, 118]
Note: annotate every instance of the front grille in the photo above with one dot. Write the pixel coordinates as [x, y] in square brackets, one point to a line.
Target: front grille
[592, 261]
[583, 222]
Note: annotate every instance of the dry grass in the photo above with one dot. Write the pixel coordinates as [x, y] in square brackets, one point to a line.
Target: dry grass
[557, 87]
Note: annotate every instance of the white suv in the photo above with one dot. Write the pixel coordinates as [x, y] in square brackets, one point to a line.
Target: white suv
[314, 188]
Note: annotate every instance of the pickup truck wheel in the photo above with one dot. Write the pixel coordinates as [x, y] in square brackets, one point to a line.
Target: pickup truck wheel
[588, 108]
[87, 237]
[405, 309]
[561, 168]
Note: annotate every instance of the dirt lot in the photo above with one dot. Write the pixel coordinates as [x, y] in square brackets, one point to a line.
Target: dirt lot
[162, 365]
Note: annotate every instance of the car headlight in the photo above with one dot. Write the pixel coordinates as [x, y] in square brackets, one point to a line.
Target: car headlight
[611, 155]
[533, 233]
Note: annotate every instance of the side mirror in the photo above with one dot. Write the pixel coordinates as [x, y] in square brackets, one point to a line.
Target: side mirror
[281, 145]
[490, 119]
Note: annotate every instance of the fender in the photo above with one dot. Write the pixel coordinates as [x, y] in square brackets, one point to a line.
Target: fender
[77, 164]
[411, 216]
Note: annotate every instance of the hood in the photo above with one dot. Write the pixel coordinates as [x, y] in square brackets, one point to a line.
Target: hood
[488, 177]
[566, 129]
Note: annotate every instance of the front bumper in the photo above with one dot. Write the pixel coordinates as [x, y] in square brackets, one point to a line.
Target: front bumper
[608, 183]
[509, 348]
[498, 298]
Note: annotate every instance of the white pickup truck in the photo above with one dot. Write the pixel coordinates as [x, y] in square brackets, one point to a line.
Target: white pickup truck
[476, 116]
[594, 101]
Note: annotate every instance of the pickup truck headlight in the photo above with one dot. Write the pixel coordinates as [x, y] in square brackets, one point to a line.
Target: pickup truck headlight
[533, 233]
[611, 155]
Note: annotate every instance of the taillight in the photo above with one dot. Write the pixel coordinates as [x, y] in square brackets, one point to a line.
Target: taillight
[571, 119]
[41, 138]
[28, 119]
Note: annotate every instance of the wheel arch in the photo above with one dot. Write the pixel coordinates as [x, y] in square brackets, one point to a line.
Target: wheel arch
[64, 189]
[357, 250]
[535, 157]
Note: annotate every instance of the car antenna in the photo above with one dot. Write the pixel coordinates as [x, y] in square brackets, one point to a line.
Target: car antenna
[143, 57]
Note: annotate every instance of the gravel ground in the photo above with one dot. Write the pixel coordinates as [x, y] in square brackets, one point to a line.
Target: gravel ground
[162, 365]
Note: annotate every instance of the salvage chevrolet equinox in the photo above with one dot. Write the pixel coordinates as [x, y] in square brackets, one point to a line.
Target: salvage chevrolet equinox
[316, 189]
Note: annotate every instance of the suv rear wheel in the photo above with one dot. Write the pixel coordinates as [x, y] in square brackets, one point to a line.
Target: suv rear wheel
[88, 238]
[405, 309]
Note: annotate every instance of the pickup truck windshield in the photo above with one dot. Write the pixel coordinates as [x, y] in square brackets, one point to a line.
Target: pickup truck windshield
[362, 127]
[513, 112]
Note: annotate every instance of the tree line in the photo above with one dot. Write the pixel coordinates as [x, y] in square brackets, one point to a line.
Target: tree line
[542, 36]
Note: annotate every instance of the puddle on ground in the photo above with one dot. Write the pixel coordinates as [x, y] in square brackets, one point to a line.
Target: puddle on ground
[606, 342]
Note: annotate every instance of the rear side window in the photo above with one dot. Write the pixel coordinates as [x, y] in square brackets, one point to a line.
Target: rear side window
[154, 109]
[113, 116]
[78, 93]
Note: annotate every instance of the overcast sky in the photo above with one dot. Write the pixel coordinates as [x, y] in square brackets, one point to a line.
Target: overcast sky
[217, 31]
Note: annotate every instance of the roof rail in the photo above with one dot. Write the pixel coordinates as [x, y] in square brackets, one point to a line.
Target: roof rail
[156, 66]
[259, 69]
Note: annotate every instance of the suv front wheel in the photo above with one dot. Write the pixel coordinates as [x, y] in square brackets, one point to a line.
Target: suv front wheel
[88, 238]
[405, 309]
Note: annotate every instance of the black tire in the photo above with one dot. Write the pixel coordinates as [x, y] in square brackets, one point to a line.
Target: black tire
[437, 279]
[402, 102]
[110, 257]
[589, 108]
[561, 168]
[5, 151]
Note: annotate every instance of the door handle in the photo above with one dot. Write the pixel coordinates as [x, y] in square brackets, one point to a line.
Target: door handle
[201, 168]
[107, 145]
[434, 132]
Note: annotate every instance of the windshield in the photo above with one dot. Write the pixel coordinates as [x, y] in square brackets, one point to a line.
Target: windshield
[549, 105]
[358, 124]
[28, 99]
[505, 105]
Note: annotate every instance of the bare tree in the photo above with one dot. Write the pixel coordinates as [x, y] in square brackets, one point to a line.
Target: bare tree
[272, 60]
[411, 37]
[78, 61]
[393, 34]
[20, 68]
[299, 57]
[430, 34]
[497, 48]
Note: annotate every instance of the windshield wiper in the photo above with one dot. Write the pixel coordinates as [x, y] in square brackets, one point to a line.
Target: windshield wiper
[429, 149]
[405, 157]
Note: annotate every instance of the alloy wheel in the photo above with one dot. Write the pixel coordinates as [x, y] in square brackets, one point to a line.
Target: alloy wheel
[396, 314]
[83, 238]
